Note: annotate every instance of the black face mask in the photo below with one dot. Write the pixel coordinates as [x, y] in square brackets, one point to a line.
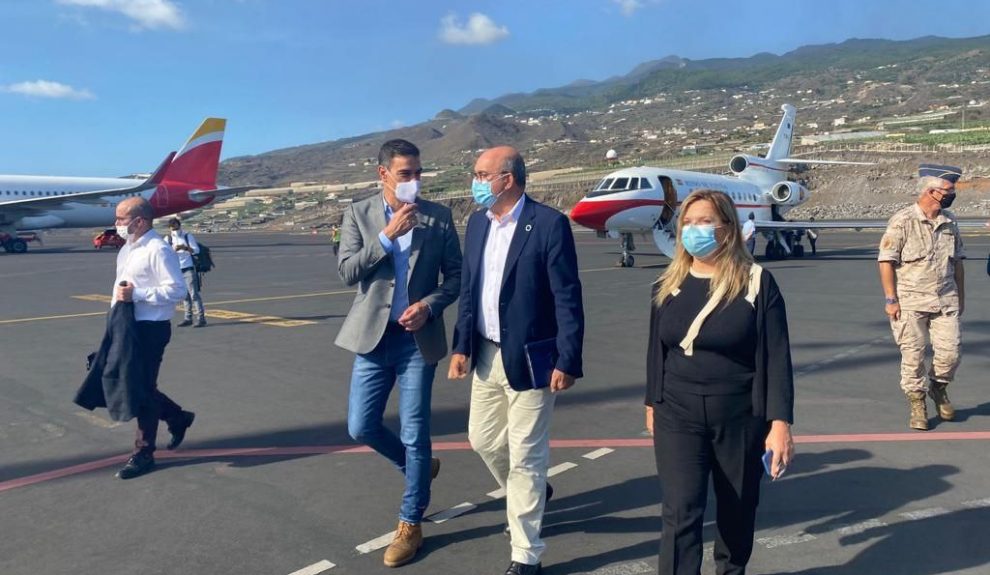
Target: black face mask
[946, 201]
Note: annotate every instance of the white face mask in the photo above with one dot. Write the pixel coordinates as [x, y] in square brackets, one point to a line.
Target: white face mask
[407, 192]
[124, 231]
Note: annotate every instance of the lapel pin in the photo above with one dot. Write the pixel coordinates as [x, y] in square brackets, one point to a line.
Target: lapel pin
[529, 227]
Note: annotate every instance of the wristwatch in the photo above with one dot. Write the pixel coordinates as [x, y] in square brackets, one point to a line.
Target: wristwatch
[890, 300]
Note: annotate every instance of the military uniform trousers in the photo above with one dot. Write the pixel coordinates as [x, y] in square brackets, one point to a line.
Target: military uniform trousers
[912, 333]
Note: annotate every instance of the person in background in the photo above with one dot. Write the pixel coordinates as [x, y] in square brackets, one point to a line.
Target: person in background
[749, 233]
[921, 271]
[186, 248]
[720, 386]
[812, 238]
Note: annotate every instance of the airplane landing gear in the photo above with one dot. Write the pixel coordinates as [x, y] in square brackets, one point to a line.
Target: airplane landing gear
[628, 246]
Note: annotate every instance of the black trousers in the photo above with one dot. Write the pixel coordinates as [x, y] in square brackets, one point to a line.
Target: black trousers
[697, 437]
[153, 336]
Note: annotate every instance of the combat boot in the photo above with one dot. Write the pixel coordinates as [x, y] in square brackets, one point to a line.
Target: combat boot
[402, 550]
[940, 396]
[919, 411]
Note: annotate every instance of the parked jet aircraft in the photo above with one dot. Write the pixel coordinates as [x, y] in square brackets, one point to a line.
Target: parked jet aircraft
[184, 181]
[645, 200]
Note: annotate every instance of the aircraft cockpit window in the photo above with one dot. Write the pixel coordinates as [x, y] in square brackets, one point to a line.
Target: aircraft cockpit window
[619, 184]
[605, 184]
[644, 184]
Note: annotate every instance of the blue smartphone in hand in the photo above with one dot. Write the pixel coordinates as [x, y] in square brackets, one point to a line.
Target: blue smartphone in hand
[768, 463]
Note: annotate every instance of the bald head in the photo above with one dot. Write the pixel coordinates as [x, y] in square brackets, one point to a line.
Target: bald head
[136, 207]
[503, 159]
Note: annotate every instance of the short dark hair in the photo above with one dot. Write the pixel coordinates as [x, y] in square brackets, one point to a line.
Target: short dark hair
[175, 222]
[517, 167]
[396, 147]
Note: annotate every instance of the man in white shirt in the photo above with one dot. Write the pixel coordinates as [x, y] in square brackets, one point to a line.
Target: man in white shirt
[186, 247]
[148, 275]
[749, 233]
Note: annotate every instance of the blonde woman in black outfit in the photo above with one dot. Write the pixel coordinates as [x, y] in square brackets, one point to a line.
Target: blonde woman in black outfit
[719, 385]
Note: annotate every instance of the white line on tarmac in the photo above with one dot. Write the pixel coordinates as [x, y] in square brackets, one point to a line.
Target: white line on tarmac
[376, 543]
[975, 503]
[97, 420]
[447, 514]
[782, 540]
[631, 568]
[497, 494]
[598, 453]
[855, 528]
[315, 568]
[924, 513]
[558, 469]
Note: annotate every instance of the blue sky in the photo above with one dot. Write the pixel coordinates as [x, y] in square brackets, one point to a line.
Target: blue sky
[108, 87]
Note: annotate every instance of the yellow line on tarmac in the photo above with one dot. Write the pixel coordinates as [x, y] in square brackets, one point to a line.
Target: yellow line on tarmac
[106, 299]
[47, 317]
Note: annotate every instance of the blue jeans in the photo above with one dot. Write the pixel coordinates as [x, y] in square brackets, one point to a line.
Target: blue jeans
[396, 358]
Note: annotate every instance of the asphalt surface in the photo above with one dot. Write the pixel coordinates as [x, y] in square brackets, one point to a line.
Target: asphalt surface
[267, 482]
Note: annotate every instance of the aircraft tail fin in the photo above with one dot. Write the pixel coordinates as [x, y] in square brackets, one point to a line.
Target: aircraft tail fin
[196, 163]
[781, 145]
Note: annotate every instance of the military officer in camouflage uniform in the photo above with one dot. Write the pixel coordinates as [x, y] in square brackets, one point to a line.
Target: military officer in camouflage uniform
[921, 270]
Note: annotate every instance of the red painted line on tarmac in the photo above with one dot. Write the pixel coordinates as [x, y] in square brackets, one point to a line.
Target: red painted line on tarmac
[461, 446]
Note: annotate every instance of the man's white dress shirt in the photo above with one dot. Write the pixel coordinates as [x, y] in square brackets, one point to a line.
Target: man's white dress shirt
[493, 268]
[152, 267]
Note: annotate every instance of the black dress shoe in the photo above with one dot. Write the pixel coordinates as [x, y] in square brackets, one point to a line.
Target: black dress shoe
[186, 323]
[549, 497]
[137, 465]
[200, 323]
[179, 431]
[516, 568]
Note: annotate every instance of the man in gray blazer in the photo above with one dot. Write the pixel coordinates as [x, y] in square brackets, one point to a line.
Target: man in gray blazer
[394, 247]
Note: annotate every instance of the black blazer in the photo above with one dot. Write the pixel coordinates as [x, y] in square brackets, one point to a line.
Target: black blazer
[540, 296]
[116, 378]
[773, 381]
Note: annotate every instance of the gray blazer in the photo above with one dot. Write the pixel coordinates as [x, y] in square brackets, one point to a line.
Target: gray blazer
[362, 261]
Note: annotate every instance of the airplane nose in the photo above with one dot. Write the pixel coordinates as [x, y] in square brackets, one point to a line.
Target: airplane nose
[591, 215]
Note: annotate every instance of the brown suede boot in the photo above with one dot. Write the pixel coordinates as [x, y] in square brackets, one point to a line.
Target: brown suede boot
[940, 396]
[402, 550]
[919, 411]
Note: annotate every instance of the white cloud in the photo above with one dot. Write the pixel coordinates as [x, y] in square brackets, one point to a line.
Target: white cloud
[48, 89]
[628, 7]
[148, 14]
[479, 29]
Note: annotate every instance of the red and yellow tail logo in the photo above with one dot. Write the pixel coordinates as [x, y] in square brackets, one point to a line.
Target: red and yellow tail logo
[197, 161]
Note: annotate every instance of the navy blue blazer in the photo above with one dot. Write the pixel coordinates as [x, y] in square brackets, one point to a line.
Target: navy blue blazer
[541, 291]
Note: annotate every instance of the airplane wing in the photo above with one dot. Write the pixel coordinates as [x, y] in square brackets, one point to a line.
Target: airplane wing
[846, 224]
[829, 162]
[57, 202]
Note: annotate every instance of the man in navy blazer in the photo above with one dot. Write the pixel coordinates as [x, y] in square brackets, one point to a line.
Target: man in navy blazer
[519, 285]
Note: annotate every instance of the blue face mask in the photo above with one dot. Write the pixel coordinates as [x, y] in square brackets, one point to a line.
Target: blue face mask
[482, 192]
[699, 240]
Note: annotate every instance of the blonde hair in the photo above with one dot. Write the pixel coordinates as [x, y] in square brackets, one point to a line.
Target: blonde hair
[732, 259]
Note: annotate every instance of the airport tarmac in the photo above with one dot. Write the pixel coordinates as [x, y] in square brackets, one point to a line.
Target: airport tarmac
[269, 483]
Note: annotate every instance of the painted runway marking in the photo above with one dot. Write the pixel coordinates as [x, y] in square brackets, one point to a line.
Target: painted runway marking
[304, 450]
[977, 503]
[782, 540]
[597, 453]
[51, 317]
[497, 494]
[860, 527]
[924, 513]
[839, 356]
[253, 318]
[631, 568]
[97, 420]
[558, 469]
[315, 568]
[377, 543]
[448, 514]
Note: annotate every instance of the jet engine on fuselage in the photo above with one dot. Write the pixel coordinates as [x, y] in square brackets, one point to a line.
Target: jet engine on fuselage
[788, 193]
